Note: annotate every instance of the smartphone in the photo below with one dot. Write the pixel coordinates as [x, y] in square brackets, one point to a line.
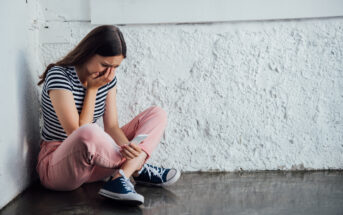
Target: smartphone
[139, 138]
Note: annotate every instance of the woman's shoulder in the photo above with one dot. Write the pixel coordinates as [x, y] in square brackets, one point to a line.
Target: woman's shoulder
[61, 69]
[65, 71]
[60, 75]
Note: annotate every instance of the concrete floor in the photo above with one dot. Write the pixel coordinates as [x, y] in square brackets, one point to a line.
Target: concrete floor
[271, 192]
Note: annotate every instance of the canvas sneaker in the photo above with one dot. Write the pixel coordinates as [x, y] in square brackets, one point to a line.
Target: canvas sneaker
[157, 176]
[121, 189]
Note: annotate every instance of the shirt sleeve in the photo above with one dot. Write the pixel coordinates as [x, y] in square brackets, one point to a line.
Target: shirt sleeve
[57, 78]
[112, 83]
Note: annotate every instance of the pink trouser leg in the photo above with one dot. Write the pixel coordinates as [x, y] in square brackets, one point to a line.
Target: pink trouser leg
[90, 154]
[151, 121]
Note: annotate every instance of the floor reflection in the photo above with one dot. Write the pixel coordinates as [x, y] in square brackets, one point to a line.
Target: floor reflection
[270, 192]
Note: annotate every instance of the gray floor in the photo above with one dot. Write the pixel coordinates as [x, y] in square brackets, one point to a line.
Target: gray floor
[271, 192]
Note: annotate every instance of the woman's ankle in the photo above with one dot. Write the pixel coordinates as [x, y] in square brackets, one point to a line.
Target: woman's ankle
[135, 174]
[127, 167]
[117, 175]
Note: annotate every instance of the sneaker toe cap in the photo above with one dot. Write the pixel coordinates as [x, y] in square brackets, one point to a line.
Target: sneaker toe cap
[172, 174]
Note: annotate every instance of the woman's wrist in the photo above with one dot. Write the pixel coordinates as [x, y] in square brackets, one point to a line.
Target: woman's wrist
[87, 112]
[92, 89]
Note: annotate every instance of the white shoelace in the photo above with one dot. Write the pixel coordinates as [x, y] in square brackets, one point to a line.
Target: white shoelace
[156, 172]
[127, 183]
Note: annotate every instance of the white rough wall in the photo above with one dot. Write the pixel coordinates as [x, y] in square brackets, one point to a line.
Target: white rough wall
[260, 95]
[19, 109]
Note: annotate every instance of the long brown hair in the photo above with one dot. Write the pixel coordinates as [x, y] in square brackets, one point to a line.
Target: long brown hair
[105, 40]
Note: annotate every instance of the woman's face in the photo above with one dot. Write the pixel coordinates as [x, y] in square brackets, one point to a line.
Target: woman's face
[97, 65]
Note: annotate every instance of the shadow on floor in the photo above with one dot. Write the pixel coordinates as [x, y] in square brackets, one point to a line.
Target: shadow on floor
[269, 192]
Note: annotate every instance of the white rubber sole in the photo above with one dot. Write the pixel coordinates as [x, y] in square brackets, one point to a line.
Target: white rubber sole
[165, 184]
[128, 198]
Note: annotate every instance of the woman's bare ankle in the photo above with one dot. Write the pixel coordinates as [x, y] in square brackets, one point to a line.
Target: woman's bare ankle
[116, 175]
[135, 174]
[129, 167]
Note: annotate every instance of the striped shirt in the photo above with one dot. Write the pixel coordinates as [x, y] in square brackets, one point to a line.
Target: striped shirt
[66, 78]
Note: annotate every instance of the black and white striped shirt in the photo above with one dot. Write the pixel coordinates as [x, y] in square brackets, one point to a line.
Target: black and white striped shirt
[66, 78]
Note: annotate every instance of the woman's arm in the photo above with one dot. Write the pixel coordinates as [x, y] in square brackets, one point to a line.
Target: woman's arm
[111, 125]
[110, 119]
[64, 105]
[87, 113]
[93, 84]
[118, 136]
[66, 111]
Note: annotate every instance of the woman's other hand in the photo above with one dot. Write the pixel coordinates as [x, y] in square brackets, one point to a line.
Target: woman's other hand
[130, 151]
[98, 80]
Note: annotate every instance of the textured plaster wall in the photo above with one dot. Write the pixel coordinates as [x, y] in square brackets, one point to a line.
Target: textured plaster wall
[19, 109]
[260, 95]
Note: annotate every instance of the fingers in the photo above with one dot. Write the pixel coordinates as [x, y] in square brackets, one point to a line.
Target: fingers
[104, 72]
[112, 74]
[136, 147]
[107, 76]
[108, 72]
[127, 154]
[131, 151]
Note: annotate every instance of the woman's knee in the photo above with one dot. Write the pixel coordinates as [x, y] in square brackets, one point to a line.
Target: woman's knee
[88, 135]
[88, 131]
[160, 112]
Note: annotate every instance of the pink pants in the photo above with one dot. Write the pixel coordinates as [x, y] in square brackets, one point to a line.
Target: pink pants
[89, 154]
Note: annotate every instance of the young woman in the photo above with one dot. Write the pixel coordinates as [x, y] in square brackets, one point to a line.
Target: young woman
[78, 90]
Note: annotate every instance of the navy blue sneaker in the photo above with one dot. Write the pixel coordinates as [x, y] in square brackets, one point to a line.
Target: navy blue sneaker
[157, 176]
[121, 189]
